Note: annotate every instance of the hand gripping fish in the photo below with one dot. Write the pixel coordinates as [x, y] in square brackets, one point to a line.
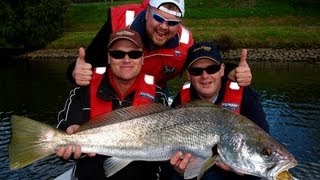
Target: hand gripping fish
[154, 132]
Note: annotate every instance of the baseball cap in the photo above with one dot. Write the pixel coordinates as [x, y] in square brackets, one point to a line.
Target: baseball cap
[202, 50]
[158, 4]
[128, 34]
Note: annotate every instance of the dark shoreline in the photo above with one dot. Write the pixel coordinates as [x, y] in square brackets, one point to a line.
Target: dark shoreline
[309, 55]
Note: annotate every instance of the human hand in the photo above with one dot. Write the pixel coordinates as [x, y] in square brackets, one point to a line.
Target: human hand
[180, 161]
[242, 74]
[66, 151]
[226, 167]
[82, 71]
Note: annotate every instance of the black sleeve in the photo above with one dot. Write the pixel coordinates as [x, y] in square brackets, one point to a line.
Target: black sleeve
[252, 108]
[96, 52]
[176, 101]
[76, 109]
[161, 97]
[168, 172]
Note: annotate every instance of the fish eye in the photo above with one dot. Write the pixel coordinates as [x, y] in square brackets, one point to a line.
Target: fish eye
[266, 151]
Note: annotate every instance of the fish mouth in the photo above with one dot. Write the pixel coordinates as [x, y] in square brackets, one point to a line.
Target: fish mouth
[281, 170]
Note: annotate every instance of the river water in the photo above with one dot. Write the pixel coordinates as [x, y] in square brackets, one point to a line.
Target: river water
[289, 94]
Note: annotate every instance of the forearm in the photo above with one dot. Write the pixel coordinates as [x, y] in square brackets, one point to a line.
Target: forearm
[75, 110]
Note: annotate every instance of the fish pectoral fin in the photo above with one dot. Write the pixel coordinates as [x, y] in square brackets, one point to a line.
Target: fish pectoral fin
[113, 165]
[206, 165]
[193, 167]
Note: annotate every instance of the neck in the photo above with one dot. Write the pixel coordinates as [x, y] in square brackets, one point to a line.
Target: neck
[123, 85]
[210, 99]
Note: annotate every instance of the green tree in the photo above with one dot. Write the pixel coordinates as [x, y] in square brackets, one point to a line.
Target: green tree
[31, 24]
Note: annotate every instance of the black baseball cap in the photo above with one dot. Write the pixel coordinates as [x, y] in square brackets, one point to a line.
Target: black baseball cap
[202, 50]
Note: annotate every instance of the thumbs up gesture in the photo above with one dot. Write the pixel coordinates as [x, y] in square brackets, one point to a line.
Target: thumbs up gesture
[242, 74]
[82, 71]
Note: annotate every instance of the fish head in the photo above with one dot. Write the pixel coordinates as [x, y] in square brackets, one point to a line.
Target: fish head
[255, 153]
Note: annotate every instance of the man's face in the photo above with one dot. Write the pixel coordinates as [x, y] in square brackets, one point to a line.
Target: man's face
[207, 85]
[125, 68]
[160, 32]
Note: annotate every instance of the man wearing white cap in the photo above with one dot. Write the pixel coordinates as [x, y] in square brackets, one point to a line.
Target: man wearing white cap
[165, 40]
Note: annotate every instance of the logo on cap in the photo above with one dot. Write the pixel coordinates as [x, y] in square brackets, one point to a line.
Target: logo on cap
[205, 48]
[125, 32]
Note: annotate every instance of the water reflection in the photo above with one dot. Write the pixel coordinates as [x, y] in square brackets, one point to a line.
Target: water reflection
[291, 99]
[289, 93]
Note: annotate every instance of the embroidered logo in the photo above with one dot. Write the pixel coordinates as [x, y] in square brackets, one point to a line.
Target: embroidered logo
[147, 95]
[167, 69]
[177, 52]
[230, 106]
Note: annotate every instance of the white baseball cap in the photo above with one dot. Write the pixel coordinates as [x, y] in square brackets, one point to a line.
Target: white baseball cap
[179, 3]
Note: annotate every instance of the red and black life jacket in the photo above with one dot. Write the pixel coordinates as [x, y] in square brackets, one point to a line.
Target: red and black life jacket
[232, 96]
[144, 95]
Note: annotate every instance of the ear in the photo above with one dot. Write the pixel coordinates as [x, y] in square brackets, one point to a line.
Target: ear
[188, 76]
[222, 70]
[108, 59]
[147, 13]
[142, 60]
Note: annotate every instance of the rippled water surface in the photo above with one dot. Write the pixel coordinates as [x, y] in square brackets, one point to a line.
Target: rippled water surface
[289, 93]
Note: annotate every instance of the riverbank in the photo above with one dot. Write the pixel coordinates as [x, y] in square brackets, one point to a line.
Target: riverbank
[309, 55]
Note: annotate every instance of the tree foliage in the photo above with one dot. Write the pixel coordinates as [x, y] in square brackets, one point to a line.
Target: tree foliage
[31, 24]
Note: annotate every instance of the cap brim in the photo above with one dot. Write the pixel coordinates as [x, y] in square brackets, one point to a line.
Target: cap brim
[203, 57]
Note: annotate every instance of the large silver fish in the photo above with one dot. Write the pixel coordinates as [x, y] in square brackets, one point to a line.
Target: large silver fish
[154, 133]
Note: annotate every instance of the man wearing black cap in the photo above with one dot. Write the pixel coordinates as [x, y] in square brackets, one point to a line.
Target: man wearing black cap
[165, 40]
[205, 72]
[121, 84]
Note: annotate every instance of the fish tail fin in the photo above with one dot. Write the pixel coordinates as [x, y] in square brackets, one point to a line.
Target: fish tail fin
[27, 141]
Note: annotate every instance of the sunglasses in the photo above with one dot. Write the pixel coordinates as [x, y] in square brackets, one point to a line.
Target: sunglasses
[196, 71]
[161, 19]
[118, 54]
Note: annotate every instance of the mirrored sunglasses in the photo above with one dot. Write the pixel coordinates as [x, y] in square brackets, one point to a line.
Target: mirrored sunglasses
[118, 54]
[196, 71]
[161, 19]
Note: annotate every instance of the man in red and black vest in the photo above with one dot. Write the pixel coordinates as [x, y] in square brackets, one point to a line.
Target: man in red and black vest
[166, 41]
[121, 84]
[206, 81]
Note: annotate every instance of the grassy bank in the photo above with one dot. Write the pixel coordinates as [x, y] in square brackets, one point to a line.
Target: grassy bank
[235, 23]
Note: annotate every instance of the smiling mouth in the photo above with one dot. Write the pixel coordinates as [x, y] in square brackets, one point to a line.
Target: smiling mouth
[160, 35]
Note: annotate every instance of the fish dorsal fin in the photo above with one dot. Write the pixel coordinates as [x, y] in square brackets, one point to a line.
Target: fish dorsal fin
[124, 114]
[193, 167]
[198, 103]
[112, 165]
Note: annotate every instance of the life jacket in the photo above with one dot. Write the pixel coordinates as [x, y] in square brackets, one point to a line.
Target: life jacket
[122, 16]
[167, 63]
[163, 63]
[98, 106]
[231, 100]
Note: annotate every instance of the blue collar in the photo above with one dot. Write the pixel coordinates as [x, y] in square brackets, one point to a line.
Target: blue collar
[139, 25]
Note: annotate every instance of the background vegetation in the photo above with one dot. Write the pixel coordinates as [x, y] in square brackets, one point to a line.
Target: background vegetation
[236, 23]
[31, 24]
[35, 24]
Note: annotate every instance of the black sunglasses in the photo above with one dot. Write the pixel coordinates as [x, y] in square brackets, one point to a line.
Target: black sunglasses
[161, 19]
[118, 54]
[196, 71]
